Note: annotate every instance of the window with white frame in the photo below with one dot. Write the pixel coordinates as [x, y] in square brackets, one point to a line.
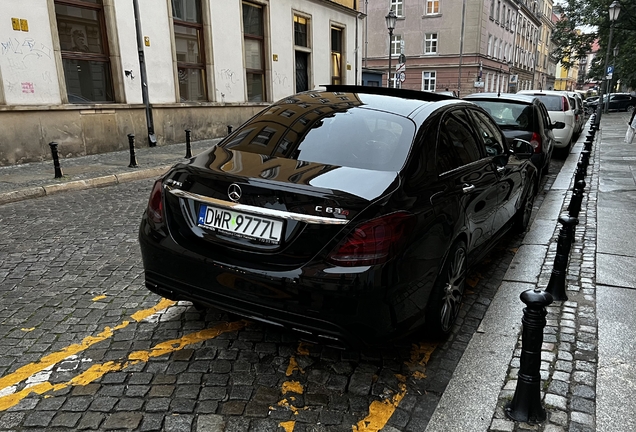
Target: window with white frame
[432, 7]
[492, 9]
[495, 47]
[489, 45]
[428, 80]
[430, 43]
[397, 6]
[396, 45]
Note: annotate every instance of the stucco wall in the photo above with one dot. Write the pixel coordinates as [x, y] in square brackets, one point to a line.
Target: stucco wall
[27, 65]
[25, 134]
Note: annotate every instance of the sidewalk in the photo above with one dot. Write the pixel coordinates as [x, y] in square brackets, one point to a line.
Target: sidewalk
[32, 180]
[588, 374]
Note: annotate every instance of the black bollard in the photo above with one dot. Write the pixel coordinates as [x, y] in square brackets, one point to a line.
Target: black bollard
[526, 403]
[585, 158]
[587, 145]
[229, 129]
[577, 198]
[556, 285]
[188, 148]
[581, 171]
[56, 160]
[133, 158]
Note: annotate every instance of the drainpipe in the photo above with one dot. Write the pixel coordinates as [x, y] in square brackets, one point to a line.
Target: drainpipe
[152, 139]
[461, 51]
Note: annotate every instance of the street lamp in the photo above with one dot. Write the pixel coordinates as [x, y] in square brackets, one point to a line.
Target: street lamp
[390, 25]
[614, 10]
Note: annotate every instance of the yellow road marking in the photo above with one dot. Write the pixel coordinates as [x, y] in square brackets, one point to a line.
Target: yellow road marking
[293, 365]
[381, 411]
[288, 425]
[293, 386]
[99, 297]
[32, 368]
[97, 371]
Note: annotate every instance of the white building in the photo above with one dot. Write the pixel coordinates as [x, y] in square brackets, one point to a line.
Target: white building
[70, 69]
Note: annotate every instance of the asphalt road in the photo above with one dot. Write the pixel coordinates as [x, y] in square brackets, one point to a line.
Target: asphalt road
[84, 345]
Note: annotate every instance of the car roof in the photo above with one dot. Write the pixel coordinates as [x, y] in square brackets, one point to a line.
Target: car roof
[544, 92]
[512, 97]
[404, 102]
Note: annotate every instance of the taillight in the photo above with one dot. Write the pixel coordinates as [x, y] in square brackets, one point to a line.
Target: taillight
[566, 105]
[155, 203]
[373, 242]
[535, 141]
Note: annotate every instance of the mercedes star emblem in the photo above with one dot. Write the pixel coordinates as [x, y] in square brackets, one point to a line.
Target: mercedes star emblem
[234, 192]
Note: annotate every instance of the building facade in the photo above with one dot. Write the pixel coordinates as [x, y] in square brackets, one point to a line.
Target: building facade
[456, 45]
[545, 66]
[70, 69]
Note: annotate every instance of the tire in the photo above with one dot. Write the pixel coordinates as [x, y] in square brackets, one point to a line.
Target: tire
[522, 217]
[446, 297]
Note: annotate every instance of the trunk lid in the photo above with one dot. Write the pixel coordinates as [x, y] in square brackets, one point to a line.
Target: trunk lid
[238, 207]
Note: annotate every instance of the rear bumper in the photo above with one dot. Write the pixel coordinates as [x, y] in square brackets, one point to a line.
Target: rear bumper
[350, 307]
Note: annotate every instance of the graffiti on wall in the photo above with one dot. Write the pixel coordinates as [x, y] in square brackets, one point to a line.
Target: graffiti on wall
[21, 59]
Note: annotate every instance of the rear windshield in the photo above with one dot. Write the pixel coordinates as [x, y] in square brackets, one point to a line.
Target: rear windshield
[353, 137]
[509, 115]
[552, 102]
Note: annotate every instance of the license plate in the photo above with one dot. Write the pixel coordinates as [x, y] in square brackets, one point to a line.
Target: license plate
[239, 224]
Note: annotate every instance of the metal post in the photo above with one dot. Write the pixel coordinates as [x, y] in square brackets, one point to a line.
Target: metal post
[152, 139]
[56, 160]
[577, 199]
[604, 81]
[581, 171]
[133, 158]
[188, 148]
[556, 285]
[526, 403]
[388, 78]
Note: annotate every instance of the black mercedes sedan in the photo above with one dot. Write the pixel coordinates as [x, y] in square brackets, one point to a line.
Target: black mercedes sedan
[349, 215]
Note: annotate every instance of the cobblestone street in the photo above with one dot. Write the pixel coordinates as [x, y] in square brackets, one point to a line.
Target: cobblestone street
[84, 345]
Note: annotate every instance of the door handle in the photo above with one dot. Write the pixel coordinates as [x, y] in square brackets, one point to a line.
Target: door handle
[468, 188]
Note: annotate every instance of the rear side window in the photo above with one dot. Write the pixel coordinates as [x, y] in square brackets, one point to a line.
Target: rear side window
[457, 145]
[489, 134]
[553, 102]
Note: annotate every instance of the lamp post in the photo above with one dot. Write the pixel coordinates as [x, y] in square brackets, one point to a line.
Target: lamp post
[614, 10]
[390, 25]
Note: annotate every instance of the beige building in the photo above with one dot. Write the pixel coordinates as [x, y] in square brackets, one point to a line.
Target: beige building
[545, 66]
[459, 45]
[70, 70]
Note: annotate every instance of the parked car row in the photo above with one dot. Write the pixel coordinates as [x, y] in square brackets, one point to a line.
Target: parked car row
[350, 214]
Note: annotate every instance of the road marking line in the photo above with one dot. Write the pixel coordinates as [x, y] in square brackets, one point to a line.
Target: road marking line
[26, 371]
[98, 370]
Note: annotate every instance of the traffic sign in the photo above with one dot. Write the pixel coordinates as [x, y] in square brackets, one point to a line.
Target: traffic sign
[400, 67]
[402, 76]
[610, 70]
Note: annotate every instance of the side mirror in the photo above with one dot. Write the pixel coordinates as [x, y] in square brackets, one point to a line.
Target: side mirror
[522, 148]
[557, 125]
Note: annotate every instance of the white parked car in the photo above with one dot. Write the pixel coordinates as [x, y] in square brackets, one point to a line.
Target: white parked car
[579, 112]
[560, 109]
